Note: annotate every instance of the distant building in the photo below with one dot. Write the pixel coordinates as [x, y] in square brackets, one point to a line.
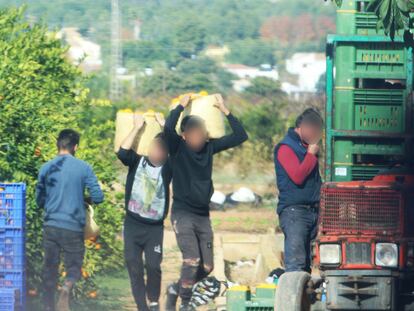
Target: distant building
[308, 68]
[82, 52]
[246, 73]
[241, 85]
[217, 52]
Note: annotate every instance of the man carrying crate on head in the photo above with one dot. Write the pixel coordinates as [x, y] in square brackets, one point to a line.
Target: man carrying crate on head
[146, 203]
[60, 191]
[192, 165]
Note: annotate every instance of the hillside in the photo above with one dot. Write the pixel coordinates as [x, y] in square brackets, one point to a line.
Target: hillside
[197, 22]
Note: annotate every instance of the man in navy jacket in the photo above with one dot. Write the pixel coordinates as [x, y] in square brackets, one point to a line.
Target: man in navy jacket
[299, 184]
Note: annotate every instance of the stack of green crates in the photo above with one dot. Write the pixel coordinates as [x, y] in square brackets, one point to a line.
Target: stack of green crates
[353, 18]
[240, 298]
[369, 97]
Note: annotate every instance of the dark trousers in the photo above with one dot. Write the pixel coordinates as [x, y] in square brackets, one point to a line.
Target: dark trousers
[299, 225]
[195, 240]
[139, 240]
[55, 242]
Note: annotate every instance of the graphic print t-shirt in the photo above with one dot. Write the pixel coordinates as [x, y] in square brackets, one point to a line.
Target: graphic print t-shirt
[148, 193]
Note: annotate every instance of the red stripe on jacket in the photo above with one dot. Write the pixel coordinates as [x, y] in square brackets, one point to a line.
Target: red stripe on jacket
[296, 170]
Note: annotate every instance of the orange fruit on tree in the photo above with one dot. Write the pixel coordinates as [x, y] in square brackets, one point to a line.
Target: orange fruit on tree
[38, 152]
[32, 292]
[93, 294]
[85, 274]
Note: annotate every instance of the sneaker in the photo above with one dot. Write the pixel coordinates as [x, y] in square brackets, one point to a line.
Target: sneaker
[187, 307]
[154, 306]
[172, 296]
[63, 302]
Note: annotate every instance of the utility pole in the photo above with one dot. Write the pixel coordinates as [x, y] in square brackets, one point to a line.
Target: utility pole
[116, 51]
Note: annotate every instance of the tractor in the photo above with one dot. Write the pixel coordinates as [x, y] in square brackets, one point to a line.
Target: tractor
[364, 249]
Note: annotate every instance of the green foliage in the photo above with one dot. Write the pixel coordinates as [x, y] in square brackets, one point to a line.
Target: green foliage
[98, 85]
[143, 53]
[188, 38]
[40, 94]
[265, 87]
[252, 52]
[393, 14]
[264, 121]
[190, 75]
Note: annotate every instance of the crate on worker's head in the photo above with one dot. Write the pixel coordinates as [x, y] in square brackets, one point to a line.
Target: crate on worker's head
[354, 18]
[12, 250]
[12, 205]
[239, 298]
[10, 300]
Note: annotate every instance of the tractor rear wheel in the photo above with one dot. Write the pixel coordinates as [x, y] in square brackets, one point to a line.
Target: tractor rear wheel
[291, 292]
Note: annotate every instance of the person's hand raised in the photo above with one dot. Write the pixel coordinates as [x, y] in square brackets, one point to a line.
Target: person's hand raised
[313, 149]
[185, 100]
[138, 120]
[160, 119]
[220, 104]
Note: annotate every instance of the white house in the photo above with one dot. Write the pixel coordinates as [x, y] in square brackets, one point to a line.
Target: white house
[246, 73]
[308, 67]
[81, 51]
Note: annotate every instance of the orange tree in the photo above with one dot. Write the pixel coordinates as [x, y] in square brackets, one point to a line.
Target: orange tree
[40, 94]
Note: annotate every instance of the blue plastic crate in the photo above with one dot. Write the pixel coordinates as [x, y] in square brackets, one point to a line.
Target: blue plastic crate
[12, 205]
[10, 300]
[12, 250]
[14, 280]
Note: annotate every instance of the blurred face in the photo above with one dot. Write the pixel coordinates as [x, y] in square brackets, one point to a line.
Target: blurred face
[310, 133]
[157, 154]
[195, 138]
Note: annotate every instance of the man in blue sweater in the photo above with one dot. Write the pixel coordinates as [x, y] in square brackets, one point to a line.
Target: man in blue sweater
[60, 191]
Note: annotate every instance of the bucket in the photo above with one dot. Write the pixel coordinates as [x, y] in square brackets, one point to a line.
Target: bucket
[204, 107]
[124, 125]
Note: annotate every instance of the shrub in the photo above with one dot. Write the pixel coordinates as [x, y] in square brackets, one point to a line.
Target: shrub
[40, 94]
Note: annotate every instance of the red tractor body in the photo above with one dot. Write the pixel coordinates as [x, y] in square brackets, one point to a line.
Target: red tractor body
[365, 244]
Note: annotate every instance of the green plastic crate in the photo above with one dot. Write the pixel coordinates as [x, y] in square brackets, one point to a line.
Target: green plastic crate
[355, 172]
[370, 110]
[239, 298]
[368, 116]
[363, 158]
[345, 149]
[370, 60]
[352, 18]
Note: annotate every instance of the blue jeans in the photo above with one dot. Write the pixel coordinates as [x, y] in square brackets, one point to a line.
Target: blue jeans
[299, 225]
